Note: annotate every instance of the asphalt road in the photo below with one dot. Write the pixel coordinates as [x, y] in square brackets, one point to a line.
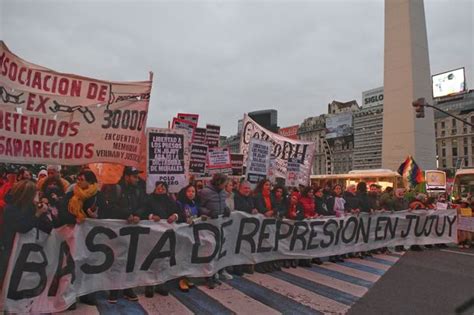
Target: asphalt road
[430, 282]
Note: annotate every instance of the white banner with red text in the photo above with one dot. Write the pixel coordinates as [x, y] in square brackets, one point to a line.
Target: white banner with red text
[47, 117]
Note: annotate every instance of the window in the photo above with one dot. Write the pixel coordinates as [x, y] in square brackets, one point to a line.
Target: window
[443, 143]
[443, 152]
[466, 162]
[465, 150]
[436, 126]
[442, 125]
[454, 123]
[455, 151]
[465, 141]
[443, 133]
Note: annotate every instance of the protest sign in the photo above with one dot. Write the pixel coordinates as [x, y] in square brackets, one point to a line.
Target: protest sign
[258, 163]
[218, 161]
[48, 272]
[282, 148]
[237, 161]
[212, 135]
[200, 136]
[189, 117]
[188, 126]
[48, 117]
[168, 158]
[197, 163]
[292, 175]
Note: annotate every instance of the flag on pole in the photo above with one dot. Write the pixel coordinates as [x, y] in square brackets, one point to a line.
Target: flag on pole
[411, 171]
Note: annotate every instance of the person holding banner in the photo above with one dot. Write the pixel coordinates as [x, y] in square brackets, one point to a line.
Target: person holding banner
[229, 189]
[243, 201]
[212, 205]
[125, 201]
[189, 211]
[22, 214]
[159, 206]
[335, 203]
[264, 202]
[84, 201]
[280, 201]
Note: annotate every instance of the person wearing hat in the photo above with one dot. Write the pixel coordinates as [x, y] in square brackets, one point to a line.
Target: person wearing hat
[124, 201]
[42, 174]
[53, 179]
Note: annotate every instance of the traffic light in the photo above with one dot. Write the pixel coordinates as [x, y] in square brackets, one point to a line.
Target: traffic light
[419, 105]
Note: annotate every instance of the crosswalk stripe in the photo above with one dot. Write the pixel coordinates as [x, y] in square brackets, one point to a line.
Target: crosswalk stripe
[388, 258]
[381, 261]
[369, 263]
[351, 271]
[237, 301]
[276, 299]
[318, 288]
[342, 276]
[363, 267]
[299, 293]
[200, 303]
[332, 282]
[163, 305]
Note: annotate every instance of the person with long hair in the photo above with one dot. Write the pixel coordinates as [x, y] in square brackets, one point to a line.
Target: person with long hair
[22, 215]
[336, 204]
[265, 205]
[11, 175]
[189, 211]
[160, 205]
[294, 212]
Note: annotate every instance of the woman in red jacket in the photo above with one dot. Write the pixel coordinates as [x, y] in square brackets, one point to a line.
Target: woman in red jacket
[308, 204]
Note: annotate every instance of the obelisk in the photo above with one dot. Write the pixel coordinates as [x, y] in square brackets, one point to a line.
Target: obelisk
[407, 77]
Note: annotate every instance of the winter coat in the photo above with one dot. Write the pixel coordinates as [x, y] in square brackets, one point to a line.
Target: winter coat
[352, 202]
[261, 205]
[295, 212]
[364, 201]
[65, 217]
[188, 209]
[374, 201]
[244, 203]
[322, 208]
[281, 206]
[123, 200]
[212, 202]
[309, 206]
[161, 205]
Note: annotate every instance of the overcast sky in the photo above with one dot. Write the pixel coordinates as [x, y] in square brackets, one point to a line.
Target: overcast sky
[223, 58]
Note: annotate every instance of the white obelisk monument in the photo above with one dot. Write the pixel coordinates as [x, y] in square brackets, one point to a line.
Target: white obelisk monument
[407, 77]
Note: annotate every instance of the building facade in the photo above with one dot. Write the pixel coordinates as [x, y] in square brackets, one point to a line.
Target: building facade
[340, 135]
[455, 140]
[267, 118]
[314, 129]
[368, 128]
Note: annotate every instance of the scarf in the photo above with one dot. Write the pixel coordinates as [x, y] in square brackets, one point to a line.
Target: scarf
[77, 201]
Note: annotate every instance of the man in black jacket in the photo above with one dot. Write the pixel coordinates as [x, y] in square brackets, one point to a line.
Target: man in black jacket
[243, 201]
[126, 201]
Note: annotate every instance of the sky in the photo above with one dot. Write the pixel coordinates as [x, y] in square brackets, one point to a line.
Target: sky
[221, 59]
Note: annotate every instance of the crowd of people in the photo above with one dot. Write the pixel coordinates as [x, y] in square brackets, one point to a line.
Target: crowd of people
[49, 200]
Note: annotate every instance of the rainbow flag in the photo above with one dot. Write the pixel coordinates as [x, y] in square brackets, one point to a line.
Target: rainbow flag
[411, 171]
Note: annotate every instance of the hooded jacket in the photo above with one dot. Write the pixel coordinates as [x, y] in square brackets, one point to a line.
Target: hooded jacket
[212, 201]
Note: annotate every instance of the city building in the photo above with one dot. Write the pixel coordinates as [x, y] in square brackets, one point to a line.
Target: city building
[314, 129]
[267, 118]
[455, 140]
[340, 135]
[232, 142]
[368, 128]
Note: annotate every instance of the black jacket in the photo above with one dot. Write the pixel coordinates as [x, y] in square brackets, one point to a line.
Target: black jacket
[374, 201]
[22, 221]
[161, 205]
[363, 201]
[122, 200]
[65, 217]
[243, 203]
[352, 202]
[281, 206]
[261, 205]
[322, 207]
